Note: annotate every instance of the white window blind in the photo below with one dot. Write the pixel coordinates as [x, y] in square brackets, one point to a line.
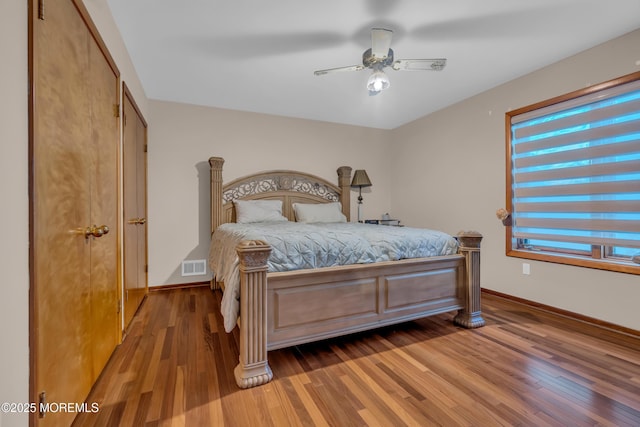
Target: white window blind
[575, 171]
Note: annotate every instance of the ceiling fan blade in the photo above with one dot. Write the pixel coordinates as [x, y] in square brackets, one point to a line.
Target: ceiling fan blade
[339, 69]
[380, 42]
[419, 64]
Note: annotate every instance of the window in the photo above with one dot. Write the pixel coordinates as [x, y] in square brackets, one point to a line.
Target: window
[573, 178]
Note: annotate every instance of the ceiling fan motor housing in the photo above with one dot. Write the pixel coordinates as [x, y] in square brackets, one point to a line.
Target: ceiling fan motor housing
[371, 61]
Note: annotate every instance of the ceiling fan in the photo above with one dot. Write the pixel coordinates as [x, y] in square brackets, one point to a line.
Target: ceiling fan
[380, 56]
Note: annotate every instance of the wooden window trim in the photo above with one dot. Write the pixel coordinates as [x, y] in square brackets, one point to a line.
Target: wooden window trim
[600, 258]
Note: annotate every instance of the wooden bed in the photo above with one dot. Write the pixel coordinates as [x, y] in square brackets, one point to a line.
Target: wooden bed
[288, 308]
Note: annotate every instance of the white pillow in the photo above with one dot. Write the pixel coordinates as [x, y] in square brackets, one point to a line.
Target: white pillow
[319, 212]
[259, 211]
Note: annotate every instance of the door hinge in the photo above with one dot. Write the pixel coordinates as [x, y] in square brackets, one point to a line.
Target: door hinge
[146, 268]
[119, 306]
[116, 110]
[42, 404]
[145, 148]
[41, 10]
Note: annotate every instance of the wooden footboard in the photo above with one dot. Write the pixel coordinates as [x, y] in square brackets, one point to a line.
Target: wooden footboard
[308, 305]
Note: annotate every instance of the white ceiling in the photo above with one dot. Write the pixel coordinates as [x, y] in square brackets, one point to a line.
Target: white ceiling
[259, 55]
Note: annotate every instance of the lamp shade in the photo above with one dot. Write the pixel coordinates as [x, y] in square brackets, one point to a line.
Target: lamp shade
[361, 179]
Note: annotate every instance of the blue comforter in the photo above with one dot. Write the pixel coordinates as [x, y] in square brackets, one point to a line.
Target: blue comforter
[301, 246]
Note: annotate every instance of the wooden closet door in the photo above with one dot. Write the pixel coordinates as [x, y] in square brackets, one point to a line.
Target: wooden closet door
[135, 206]
[61, 209]
[74, 324]
[103, 149]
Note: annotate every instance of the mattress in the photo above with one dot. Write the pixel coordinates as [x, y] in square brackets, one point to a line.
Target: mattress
[302, 246]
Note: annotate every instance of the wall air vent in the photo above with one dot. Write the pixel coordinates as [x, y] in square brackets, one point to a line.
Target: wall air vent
[194, 267]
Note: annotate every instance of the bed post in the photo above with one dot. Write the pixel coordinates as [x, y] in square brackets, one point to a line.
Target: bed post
[471, 315]
[216, 192]
[216, 201]
[344, 182]
[253, 368]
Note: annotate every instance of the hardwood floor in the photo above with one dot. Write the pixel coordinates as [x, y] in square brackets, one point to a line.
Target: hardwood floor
[525, 367]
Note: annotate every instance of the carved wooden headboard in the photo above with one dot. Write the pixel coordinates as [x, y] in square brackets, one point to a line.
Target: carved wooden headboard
[288, 186]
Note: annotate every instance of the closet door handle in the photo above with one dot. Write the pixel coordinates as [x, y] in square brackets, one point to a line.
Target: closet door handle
[95, 231]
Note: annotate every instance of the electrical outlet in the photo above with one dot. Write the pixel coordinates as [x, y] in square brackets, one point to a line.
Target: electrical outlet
[526, 268]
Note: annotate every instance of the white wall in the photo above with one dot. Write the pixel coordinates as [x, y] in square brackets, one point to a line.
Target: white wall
[14, 215]
[182, 139]
[466, 143]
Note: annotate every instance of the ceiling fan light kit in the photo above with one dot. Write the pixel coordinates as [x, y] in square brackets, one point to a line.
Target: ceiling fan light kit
[380, 56]
[378, 81]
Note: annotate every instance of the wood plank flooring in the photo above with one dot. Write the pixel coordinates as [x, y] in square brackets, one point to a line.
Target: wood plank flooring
[525, 367]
